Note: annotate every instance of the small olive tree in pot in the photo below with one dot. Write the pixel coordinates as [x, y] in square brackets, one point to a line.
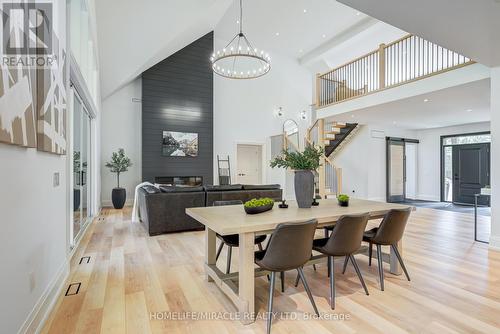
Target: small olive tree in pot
[119, 163]
[303, 164]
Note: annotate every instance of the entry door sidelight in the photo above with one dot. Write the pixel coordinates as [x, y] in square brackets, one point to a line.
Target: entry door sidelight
[471, 172]
[396, 174]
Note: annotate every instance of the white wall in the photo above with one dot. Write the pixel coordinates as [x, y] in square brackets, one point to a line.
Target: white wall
[429, 157]
[244, 111]
[363, 162]
[121, 128]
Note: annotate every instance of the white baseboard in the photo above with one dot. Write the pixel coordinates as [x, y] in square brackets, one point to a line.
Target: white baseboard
[495, 243]
[109, 203]
[41, 311]
[431, 198]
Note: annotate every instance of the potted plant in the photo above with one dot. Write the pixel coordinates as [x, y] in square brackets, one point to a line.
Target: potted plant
[343, 199]
[258, 205]
[303, 164]
[119, 163]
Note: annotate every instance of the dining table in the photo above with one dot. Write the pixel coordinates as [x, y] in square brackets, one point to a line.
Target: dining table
[239, 286]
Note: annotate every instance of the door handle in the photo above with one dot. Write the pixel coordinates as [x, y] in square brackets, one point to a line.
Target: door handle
[241, 174]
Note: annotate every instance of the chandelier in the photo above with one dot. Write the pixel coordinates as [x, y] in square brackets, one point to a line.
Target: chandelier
[239, 59]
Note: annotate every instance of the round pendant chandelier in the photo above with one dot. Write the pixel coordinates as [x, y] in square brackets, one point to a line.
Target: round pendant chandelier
[239, 59]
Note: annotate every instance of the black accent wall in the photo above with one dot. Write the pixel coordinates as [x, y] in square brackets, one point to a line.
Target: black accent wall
[177, 95]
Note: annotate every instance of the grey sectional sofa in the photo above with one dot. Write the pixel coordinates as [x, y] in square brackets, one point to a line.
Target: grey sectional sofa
[163, 210]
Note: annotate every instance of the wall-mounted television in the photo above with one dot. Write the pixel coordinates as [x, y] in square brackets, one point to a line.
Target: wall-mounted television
[179, 144]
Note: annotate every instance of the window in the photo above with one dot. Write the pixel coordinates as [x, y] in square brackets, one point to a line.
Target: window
[467, 139]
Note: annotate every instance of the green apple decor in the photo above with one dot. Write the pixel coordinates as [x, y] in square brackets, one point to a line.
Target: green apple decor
[119, 163]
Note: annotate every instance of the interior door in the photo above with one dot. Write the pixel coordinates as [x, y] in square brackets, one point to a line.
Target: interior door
[249, 164]
[471, 172]
[396, 171]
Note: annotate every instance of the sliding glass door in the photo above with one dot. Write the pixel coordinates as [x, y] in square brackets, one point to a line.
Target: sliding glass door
[81, 166]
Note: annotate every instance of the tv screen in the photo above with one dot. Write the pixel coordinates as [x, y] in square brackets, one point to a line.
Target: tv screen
[179, 144]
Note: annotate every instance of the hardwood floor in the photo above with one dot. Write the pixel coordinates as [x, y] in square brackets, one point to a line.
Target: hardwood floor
[132, 278]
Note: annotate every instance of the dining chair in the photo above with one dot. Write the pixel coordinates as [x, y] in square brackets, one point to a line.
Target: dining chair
[344, 240]
[289, 248]
[232, 240]
[389, 233]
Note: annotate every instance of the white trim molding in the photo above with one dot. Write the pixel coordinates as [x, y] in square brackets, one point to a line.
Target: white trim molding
[41, 311]
[495, 243]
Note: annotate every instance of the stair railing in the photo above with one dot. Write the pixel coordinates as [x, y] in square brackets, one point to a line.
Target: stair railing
[405, 60]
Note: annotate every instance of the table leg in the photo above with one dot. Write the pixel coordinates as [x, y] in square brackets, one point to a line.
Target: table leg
[475, 216]
[210, 255]
[246, 286]
[395, 267]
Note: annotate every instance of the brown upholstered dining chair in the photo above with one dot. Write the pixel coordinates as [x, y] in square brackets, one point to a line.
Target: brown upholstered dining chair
[344, 240]
[233, 240]
[289, 248]
[389, 233]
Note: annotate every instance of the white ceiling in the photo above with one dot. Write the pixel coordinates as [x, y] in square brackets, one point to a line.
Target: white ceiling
[469, 103]
[134, 35]
[470, 27]
[291, 28]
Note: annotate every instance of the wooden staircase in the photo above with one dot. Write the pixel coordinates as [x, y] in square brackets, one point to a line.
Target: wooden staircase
[332, 137]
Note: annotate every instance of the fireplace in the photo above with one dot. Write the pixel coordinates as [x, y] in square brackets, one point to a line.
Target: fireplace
[180, 180]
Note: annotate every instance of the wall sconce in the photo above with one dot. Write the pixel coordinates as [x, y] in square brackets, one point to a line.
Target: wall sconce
[303, 115]
[280, 112]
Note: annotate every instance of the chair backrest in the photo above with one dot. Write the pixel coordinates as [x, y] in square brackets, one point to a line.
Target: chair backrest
[392, 227]
[232, 202]
[290, 246]
[347, 235]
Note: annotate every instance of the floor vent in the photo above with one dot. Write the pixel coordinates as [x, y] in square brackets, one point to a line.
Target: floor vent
[85, 259]
[72, 287]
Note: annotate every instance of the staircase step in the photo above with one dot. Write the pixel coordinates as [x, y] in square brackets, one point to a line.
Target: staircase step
[339, 125]
[327, 142]
[334, 131]
[330, 136]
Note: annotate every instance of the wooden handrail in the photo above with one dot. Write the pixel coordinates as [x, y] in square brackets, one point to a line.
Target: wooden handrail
[404, 60]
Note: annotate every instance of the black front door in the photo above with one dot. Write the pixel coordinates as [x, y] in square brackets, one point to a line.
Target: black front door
[471, 172]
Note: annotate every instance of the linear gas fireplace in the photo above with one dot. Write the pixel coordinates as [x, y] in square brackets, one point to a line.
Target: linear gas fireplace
[180, 180]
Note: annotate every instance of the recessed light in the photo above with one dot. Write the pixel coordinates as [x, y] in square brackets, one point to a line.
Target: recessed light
[394, 122]
[426, 100]
[237, 21]
[300, 51]
[358, 14]
[469, 110]
[323, 36]
[305, 10]
[277, 34]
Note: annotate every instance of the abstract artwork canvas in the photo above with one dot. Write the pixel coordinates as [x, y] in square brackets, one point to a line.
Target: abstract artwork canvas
[179, 144]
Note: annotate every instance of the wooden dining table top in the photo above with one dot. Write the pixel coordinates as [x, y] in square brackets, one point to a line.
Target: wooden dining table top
[232, 219]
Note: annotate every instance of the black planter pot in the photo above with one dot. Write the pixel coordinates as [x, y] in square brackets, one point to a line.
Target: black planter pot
[304, 188]
[258, 209]
[76, 199]
[118, 195]
[345, 203]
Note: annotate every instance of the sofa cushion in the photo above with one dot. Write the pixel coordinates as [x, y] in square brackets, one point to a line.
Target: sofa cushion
[261, 186]
[151, 189]
[228, 187]
[177, 189]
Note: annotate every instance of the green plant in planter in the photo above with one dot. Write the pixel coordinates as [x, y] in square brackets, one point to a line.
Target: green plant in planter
[256, 202]
[119, 163]
[309, 159]
[343, 198]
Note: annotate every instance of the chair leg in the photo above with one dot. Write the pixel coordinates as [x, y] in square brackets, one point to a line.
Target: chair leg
[332, 282]
[297, 280]
[345, 264]
[370, 253]
[326, 232]
[229, 253]
[314, 267]
[328, 265]
[396, 251]
[260, 246]
[282, 276]
[219, 250]
[380, 267]
[306, 287]
[270, 302]
[355, 264]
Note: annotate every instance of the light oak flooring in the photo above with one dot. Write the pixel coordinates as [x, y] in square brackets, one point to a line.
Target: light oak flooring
[455, 285]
